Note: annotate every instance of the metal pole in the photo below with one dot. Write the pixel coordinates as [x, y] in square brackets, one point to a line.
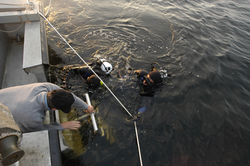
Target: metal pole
[92, 114]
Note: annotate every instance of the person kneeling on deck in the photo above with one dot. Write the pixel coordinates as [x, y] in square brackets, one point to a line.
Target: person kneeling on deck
[29, 103]
[100, 66]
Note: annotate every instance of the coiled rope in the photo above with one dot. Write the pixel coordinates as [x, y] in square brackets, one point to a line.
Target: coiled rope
[137, 138]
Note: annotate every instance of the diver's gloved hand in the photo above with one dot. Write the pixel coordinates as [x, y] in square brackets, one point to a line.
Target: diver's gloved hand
[134, 118]
[137, 116]
[139, 112]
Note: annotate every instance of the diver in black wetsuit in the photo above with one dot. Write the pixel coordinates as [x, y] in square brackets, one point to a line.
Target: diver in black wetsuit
[149, 83]
[100, 66]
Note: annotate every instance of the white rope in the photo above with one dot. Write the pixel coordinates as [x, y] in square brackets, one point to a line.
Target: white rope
[137, 138]
[48, 9]
[138, 144]
[85, 63]
[13, 30]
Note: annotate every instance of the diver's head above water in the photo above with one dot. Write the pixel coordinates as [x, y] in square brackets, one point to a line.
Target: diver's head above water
[152, 78]
[93, 82]
[149, 82]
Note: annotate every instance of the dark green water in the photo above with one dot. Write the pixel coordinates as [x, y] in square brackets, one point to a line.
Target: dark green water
[201, 116]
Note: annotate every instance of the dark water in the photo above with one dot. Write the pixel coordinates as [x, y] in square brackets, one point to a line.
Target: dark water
[201, 116]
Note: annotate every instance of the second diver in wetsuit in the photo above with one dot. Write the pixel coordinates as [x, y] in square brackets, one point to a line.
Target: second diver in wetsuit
[100, 66]
[149, 83]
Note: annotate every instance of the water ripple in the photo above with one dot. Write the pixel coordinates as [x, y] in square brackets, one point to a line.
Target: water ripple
[201, 115]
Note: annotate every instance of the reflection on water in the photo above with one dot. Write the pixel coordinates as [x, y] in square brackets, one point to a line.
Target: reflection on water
[200, 117]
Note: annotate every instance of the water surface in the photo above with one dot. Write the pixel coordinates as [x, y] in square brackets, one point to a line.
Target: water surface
[200, 117]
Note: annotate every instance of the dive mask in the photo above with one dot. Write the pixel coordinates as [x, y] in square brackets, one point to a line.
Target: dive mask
[148, 81]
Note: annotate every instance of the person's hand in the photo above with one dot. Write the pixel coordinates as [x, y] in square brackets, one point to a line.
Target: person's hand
[71, 125]
[90, 109]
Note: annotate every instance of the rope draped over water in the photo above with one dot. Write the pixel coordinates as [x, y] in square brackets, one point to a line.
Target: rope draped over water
[85, 63]
[136, 133]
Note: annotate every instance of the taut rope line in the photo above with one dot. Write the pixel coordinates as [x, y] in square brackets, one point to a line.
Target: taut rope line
[85, 63]
[137, 139]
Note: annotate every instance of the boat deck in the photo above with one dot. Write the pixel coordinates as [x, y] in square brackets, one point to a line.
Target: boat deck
[36, 144]
[16, 60]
